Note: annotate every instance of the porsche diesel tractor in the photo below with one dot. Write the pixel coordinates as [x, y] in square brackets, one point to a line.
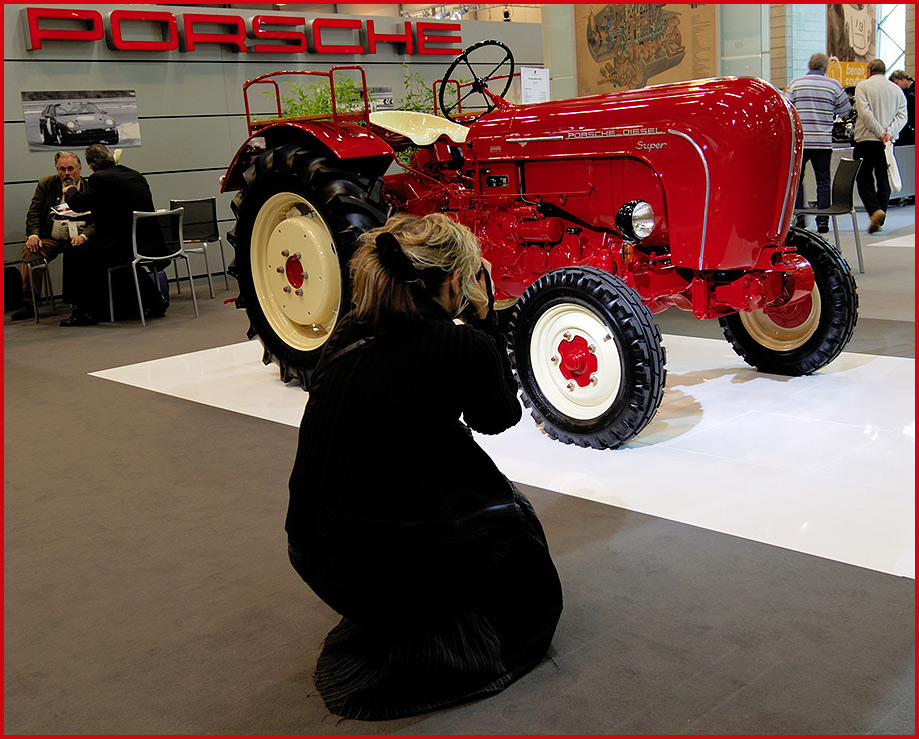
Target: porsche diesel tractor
[596, 213]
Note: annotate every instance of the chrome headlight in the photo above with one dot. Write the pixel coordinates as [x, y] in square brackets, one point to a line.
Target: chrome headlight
[635, 219]
[71, 124]
[109, 122]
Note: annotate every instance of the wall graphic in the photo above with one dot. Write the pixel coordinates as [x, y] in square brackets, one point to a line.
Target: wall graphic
[624, 47]
[74, 120]
[848, 74]
[851, 31]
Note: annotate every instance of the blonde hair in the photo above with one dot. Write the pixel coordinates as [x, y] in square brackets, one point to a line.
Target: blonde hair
[430, 249]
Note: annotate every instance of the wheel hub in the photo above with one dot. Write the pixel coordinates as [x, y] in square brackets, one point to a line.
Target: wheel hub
[794, 315]
[296, 250]
[785, 329]
[578, 362]
[294, 271]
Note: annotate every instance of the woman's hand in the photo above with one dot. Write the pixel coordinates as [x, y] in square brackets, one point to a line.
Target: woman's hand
[482, 307]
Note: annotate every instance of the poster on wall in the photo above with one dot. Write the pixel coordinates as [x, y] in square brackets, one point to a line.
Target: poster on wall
[625, 47]
[851, 32]
[74, 120]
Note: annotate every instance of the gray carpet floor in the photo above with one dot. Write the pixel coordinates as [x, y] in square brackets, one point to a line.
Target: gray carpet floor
[147, 588]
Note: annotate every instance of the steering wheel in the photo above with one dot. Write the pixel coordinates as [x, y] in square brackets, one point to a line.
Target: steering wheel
[479, 84]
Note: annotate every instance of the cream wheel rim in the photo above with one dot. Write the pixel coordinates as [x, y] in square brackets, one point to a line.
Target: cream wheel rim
[786, 329]
[576, 361]
[295, 271]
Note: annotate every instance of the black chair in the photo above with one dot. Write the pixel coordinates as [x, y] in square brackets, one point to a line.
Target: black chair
[38, 264]
[158, 241]
[201, 228]
[843, 202]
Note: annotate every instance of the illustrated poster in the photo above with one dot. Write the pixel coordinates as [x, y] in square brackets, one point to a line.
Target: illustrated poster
[625, 47]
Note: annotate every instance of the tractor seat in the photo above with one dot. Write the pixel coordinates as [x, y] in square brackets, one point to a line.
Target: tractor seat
[420, 128]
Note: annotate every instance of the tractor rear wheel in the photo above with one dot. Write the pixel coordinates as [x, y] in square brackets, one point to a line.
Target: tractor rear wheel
[588, 357]
[800, 338]
[298, 214]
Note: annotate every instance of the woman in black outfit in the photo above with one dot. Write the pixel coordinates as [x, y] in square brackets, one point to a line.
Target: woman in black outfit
[398, 520]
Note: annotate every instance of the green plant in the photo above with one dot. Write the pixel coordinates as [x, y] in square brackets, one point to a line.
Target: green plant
[419, 95]
[316, 99]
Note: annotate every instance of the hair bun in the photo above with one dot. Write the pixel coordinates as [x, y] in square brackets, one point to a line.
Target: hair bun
[393, 258]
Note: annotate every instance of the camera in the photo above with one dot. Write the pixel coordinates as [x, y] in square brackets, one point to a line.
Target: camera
[473, 285]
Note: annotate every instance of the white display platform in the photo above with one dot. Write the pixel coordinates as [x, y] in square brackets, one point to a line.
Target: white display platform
[821, 464]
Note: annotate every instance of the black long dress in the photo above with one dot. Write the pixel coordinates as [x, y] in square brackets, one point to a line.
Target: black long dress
[400, 522]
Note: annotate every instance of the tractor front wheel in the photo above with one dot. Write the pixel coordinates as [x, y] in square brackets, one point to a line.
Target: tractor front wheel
[588, 357]
[802, 337]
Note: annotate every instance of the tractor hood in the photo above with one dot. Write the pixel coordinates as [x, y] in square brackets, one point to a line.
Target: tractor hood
[726, 153]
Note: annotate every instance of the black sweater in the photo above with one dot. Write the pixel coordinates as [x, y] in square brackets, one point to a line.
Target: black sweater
[381, 436]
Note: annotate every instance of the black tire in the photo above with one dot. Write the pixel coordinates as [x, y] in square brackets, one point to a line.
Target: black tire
[808, 335]
[298, 209]
[588, 319]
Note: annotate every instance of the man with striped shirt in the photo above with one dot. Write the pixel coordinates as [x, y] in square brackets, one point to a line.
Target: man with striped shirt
[818, 100]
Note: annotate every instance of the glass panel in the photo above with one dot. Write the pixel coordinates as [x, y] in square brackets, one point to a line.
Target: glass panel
[891, 36]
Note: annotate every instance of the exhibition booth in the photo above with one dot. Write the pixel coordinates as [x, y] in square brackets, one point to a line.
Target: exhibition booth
[711, 411]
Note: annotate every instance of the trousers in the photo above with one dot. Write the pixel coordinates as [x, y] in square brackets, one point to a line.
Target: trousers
[47, 249]
[820, 163]
[873, 185]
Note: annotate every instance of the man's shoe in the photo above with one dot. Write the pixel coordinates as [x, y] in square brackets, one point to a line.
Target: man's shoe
[877, 220]
[23, 312]
[79, 319]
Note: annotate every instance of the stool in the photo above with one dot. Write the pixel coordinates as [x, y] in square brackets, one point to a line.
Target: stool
[46, 281]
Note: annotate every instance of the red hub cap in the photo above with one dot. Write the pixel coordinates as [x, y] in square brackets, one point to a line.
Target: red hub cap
[794, 315]
[294, 272]
[578, 363]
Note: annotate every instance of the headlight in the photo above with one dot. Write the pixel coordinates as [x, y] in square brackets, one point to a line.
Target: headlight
[71, 124]
[109, 122]
[635, 219]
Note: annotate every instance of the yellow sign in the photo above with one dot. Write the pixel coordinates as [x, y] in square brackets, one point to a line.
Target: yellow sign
[847, 74]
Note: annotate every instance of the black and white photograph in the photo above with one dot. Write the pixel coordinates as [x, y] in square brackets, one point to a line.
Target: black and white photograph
[80, 118]
[851, 31]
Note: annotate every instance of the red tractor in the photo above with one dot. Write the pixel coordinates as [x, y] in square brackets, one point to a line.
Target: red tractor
[595, 212]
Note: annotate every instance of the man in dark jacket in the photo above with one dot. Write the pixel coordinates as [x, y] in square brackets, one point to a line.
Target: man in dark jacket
[113, 193]
[46, 236]
[906, 83]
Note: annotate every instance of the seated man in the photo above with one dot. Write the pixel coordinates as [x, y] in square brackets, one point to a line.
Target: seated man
[46, 236]
[113, 193]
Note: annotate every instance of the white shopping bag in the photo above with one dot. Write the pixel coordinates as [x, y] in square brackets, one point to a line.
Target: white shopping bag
[893, 171]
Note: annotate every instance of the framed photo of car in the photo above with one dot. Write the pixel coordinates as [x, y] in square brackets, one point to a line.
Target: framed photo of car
[67, 120]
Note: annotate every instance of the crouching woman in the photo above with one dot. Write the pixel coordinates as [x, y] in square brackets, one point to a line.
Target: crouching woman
[398, 519]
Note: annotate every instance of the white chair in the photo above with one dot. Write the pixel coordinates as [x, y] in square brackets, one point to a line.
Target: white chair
[157, 240]
[201, 228]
